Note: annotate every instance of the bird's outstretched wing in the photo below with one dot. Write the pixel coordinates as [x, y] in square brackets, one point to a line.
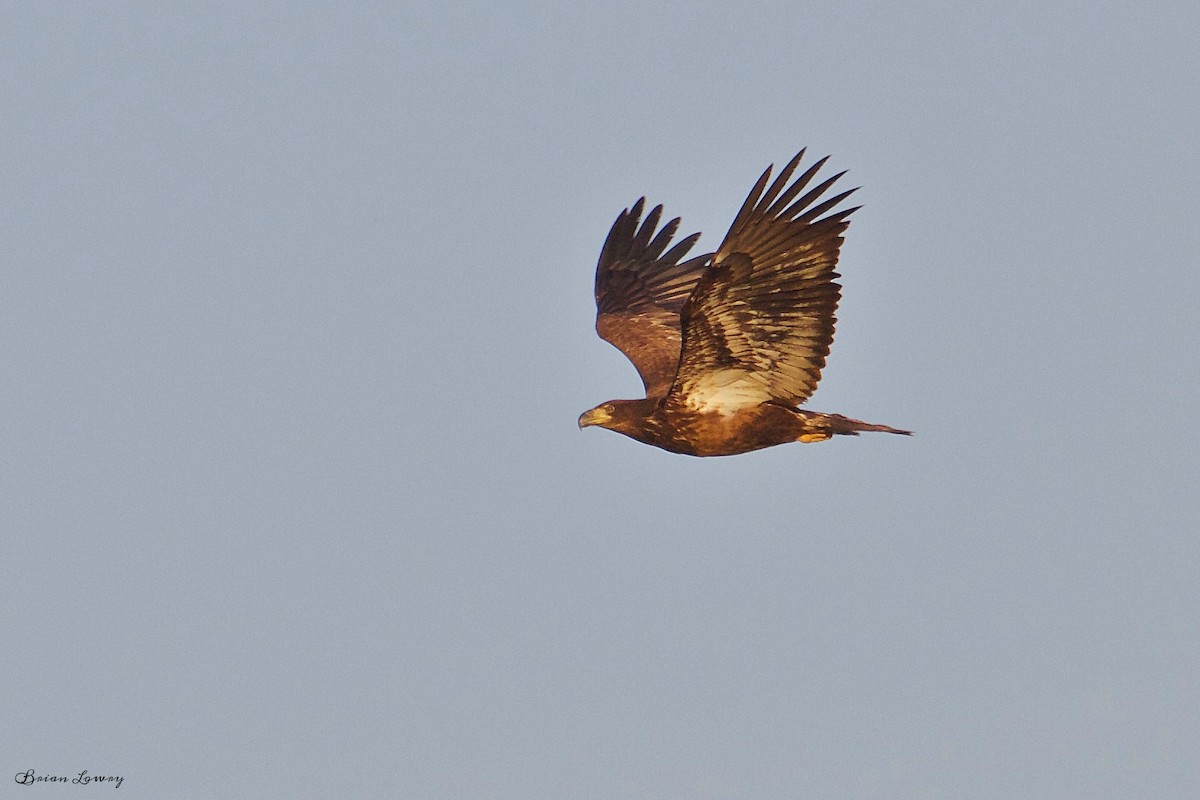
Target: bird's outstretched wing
[640, 288]
[759, 323]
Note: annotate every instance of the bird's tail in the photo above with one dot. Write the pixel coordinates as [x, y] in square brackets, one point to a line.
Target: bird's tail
[836, 424]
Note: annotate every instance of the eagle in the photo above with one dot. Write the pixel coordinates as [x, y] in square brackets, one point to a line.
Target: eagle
[727, 344]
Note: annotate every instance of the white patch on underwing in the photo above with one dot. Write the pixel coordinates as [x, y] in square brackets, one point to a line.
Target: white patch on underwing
[725, 392]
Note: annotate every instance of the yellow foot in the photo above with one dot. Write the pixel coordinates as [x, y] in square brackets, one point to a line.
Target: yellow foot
[808, 438]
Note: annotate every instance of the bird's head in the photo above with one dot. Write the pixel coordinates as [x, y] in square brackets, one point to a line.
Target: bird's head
[622, 416]
[600, 415]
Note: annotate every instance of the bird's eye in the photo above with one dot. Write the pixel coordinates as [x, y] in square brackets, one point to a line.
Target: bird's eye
[609, 408]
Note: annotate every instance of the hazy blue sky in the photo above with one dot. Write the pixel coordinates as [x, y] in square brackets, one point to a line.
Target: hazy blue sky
[296, 323]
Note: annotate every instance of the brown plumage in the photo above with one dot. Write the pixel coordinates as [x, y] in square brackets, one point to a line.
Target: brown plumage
[729, 343]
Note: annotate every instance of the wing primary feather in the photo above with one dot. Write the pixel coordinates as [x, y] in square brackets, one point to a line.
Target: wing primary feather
[798, 207]
[642, 238]
[659, 243]
[616, 246]
[821, 208]
[795, 189]
[768, 240]
[743, 215]
[635, 211]
[681, 249]
[780, 181]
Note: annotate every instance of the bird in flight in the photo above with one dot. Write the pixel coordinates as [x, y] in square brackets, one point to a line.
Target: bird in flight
[730, 343]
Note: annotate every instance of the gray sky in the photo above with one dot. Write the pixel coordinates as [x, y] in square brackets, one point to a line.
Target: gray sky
[296, 322]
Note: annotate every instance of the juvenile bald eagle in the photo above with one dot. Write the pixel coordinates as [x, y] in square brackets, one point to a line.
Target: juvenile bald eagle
[727, 344]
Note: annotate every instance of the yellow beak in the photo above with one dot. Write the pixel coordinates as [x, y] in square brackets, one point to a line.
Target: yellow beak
[596, 416]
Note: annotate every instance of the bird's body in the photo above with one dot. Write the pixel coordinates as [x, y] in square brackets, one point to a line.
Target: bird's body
[727, 344]
[710, 433]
